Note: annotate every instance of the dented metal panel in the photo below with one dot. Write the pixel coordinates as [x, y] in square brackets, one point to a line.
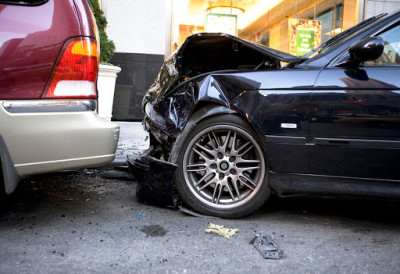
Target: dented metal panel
[211, 52]
[218, 69]
[210, 73]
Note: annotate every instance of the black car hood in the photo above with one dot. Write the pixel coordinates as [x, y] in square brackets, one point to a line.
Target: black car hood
[204, 53]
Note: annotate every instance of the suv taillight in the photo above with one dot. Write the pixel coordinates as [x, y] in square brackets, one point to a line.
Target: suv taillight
[75, 74]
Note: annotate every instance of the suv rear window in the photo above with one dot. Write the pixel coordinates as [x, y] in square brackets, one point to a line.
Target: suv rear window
[23, 2]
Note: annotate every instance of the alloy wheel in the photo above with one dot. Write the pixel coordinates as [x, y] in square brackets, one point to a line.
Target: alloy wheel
[223, 166]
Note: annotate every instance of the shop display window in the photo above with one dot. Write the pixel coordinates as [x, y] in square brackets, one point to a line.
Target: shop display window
[266, 22]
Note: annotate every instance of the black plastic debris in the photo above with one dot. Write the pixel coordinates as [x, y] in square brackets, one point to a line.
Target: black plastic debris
[266, 246]
[154, 178]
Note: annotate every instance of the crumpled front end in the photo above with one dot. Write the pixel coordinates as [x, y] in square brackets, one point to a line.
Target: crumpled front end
[207, 70]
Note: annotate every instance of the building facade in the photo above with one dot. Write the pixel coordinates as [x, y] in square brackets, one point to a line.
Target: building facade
[145, 32]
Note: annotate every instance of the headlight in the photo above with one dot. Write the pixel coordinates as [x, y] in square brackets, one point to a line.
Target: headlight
[154, 116]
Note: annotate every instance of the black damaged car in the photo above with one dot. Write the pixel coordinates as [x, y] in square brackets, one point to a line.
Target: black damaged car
[231, 121]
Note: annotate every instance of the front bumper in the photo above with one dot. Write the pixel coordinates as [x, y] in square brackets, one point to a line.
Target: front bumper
[155, 178]
[45, 136]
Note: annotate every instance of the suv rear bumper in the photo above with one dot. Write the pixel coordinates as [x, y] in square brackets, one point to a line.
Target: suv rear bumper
[42, 136]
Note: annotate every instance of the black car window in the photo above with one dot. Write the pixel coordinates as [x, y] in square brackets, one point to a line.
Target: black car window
[391, 51]
[23, 2]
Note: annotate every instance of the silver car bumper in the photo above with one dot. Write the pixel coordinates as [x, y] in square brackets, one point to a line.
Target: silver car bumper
[42, 136]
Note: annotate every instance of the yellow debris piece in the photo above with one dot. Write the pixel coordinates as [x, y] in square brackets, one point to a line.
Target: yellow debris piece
[221, 230]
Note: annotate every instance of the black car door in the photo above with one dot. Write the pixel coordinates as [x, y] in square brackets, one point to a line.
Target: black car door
[354, 117]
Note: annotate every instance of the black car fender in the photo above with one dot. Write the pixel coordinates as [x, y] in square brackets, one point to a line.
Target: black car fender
[201, 114]
[196, 117]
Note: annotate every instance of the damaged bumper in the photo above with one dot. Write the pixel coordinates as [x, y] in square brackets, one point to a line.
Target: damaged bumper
[154, 177]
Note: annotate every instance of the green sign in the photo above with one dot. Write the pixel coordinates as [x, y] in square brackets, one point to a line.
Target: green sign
[304, 41]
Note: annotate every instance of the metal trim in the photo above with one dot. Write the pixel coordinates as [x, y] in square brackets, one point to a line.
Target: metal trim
[385, 144]
[42, 106]
[290, 140]
[64, 160]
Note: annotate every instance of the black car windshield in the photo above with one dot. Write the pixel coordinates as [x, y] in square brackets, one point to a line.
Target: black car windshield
[338, 38]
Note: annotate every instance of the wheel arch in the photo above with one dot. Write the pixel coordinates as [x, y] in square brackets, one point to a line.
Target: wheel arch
[201, 112]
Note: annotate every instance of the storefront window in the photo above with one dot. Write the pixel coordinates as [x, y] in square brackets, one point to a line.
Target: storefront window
[262, 21]
[331, 21]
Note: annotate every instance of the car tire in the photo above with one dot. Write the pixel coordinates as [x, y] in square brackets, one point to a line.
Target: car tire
[218, 178]
[3, 195]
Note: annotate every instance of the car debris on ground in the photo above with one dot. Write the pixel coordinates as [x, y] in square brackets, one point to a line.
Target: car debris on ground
[266, 246]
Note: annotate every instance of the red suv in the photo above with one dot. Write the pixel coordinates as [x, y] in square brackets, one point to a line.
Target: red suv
[49, 56]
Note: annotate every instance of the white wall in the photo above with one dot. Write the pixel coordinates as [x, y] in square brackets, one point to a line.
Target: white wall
[375, 7]
[138, 26]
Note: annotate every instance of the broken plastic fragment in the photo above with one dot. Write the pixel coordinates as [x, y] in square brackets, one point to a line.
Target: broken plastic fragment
[266, 246]
[221, 230]
[142, 214]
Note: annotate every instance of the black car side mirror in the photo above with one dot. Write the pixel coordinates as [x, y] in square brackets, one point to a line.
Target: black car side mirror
[366, 49]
